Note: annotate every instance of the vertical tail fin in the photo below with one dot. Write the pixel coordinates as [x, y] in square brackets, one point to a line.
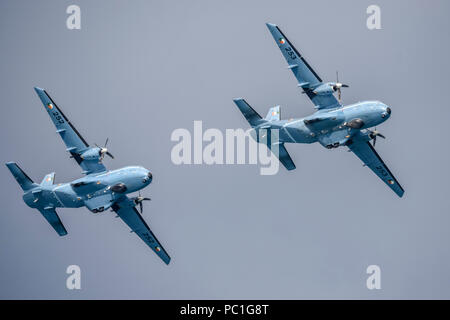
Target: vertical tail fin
[48, 179]
[22, 178]
[273, 114]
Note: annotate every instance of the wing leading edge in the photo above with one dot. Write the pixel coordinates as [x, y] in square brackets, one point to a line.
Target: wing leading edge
[125, 209]
[365, 151]
[307, 78]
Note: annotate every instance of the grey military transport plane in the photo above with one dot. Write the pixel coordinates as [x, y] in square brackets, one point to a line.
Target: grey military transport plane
[98, 190]
[332, 125]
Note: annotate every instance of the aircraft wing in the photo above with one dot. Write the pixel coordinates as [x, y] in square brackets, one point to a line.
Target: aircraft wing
[75, 143]
[307, 78]
[126, 210]
[366, 152]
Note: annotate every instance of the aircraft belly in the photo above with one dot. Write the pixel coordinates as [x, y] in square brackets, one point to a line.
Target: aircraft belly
[336, 138]
[48, 199]
[297, 135]
[66, 197]
[101, 202]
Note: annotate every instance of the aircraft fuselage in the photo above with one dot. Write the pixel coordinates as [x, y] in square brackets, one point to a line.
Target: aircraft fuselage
[95, 191]
[332, 126]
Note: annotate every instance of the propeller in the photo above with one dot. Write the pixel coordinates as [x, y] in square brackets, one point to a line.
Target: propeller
[373, 134]
[104, 150]
[138, 201]
[337, 86]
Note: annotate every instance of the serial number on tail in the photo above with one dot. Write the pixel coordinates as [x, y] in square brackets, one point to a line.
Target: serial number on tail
[58, 117]
[291, 53]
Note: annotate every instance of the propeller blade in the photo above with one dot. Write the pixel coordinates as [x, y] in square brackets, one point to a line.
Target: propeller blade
[109, 154]
[138, 201]
[374, 134]
[104, 150]
[337, 86]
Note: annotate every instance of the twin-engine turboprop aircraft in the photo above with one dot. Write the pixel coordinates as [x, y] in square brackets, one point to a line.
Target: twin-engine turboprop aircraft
[332, 125]
[98, 190]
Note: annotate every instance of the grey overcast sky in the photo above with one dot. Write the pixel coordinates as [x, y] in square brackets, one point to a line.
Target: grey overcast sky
[138, 70]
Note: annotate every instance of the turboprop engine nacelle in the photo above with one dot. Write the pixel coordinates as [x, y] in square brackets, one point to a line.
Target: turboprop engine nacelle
[91, 154]
[325, 88]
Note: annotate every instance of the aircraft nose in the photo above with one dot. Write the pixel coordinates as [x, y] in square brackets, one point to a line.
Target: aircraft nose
[148, 177]
[385, 112]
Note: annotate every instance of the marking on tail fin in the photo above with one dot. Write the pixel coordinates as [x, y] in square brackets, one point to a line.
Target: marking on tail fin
[273, 114]
[48, 179]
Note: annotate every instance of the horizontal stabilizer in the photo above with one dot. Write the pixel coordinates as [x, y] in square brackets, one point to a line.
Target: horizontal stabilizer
[52, 217]
[22, 178]
[282, 155]
[251, 115]
[273, 114]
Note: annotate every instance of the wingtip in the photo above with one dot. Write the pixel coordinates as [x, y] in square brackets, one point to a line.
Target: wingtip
[270, 25]
[10, 165]
[237, 99]
[39, 91]
[167, 261]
